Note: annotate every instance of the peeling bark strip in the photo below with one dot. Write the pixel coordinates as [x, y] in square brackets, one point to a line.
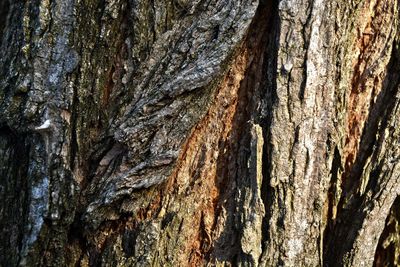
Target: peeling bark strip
[199, 133]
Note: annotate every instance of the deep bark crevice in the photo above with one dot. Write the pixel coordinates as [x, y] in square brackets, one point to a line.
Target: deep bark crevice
[4, 9]
[351, 207]
[269, 98]
[388, 250]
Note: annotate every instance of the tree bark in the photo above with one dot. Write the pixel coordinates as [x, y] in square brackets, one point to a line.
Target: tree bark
[191, 133]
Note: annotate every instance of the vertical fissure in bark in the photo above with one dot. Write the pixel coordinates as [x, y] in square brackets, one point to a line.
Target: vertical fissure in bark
[4, 8]
[331, 203]
[366, 184]
[13, 186]
[377, 120]
[388, 249]
[268, 97]
[363, 91]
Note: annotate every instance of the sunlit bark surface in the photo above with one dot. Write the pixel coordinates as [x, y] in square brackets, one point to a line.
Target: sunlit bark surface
[199, 133]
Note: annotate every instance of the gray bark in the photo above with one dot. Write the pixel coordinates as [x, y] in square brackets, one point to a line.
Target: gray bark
[191, 133]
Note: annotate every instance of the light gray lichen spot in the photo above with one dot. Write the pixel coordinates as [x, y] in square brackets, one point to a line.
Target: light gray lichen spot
[295, 246]
[38, 208]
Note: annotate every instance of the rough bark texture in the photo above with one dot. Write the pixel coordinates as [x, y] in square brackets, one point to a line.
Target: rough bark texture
[205, 132]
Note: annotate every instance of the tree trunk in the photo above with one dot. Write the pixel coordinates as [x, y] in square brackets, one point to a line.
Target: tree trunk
[191, 133]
